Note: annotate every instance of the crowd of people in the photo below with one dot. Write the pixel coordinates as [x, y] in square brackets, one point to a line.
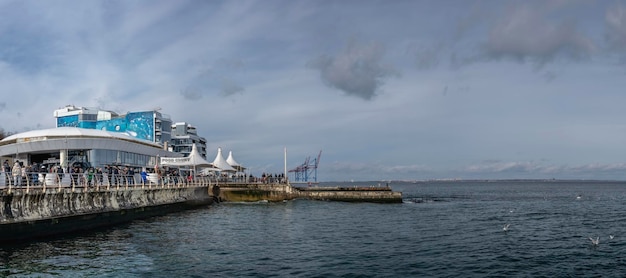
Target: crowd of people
[35, 174]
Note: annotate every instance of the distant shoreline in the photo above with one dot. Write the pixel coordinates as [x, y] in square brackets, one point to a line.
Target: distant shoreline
[475, 180]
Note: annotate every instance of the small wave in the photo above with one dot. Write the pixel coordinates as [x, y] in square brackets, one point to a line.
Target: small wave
[421, 200]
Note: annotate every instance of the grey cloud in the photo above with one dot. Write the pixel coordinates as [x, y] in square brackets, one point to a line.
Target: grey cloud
[375, 171]
[222, 75]
[426, 57]
[191, 94]
[230, 63]
[549, 76]
[500, 166]
[536, 169]
[524, 33]
[616, 28]
[230, 87]
[357, 70]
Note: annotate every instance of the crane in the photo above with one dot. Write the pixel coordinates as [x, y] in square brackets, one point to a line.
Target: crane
[307, 170]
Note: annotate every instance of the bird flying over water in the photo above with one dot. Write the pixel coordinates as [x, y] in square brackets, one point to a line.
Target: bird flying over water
[611, 236]
[506, 227]
[595, 241]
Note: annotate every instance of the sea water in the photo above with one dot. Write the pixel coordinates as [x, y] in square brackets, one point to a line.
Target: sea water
[442, 229]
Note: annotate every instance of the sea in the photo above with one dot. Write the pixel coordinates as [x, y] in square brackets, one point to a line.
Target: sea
[441, 229]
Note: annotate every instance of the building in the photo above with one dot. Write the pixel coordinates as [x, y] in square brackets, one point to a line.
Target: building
[144, 125]
[184, 136]
[67, 146]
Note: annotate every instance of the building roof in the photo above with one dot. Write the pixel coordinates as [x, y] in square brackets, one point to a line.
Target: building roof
[73, 138]
[71, 132]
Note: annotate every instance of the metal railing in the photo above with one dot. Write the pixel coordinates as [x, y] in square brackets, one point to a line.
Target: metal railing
[46, 182]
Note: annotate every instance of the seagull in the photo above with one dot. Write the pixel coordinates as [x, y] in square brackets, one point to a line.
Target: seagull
[506, 227]
[611, 236]
[595, 241]
[578, 197]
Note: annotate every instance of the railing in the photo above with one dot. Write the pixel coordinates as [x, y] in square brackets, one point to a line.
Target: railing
[44, 182]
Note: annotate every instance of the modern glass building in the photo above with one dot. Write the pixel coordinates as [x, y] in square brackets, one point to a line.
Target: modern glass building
[98, 137]
[145, 125]
[184, 136]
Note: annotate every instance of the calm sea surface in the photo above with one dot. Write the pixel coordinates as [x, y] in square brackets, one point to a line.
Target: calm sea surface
[443, 229]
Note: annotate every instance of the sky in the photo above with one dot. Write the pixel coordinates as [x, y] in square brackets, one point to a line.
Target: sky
[386, 90]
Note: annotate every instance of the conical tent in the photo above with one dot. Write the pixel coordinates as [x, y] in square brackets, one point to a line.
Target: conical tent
[221, 163]
[232, 162]
[194, 159]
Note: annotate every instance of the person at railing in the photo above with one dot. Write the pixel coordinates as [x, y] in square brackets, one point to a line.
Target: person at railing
[16, 171]
[25, 175]
[109, 172]
[32, 171]
[99, 176]
[124, 175]
[7, 172]
[75, 175]
[144, 176]
[90, 175]
[116, 175]
[41, 175]
[131, 176]
[54, 171]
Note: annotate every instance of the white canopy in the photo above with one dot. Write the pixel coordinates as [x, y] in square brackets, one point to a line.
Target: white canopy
[221, 163]
[232, 162]
[194, 159]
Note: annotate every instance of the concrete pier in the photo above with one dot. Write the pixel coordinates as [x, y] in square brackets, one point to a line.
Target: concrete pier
[282, 192]
[39, 212]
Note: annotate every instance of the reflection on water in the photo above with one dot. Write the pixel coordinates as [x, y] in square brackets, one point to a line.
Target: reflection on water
[96, 254]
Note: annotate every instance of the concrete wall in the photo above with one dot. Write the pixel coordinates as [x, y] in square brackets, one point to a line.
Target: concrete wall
[354, 196]
[281, 192]
[20, 206]
[257, 192]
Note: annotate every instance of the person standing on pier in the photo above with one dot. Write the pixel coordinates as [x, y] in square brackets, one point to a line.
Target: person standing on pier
[7, 172]
[116, 174]
[99, 178]
[109, 172]
[17, 173]
[90, 174]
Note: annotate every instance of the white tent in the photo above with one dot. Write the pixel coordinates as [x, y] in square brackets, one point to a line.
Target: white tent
[193, 160]
[232, 162]
[221, 163]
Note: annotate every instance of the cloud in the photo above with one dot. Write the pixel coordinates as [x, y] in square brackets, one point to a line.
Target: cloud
[230, 87]
[375, 171]
[221, 75]
[535, 169]
[357, 70]
[616, 28]
[426, 57]
[191, 94]
[525, 33]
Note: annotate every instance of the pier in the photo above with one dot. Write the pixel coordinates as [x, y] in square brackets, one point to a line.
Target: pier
[56, 207]
[40, 210]
[244, 192]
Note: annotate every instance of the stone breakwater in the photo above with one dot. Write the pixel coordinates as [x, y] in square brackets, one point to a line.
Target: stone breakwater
[36, 214]
[282, 192]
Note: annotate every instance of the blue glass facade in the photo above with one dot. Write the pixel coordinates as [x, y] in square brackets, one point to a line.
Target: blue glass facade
[71, 121]
[137, 124]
